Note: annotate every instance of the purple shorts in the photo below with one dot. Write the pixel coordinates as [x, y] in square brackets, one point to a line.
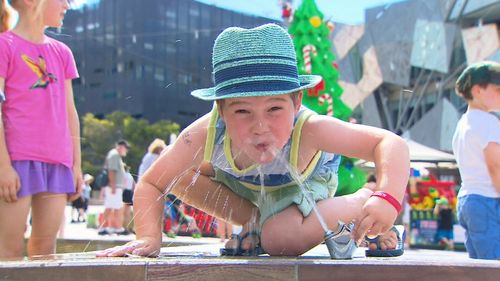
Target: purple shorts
[39, 177]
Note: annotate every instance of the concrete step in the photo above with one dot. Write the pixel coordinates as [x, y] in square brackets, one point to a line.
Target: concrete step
[202, 262]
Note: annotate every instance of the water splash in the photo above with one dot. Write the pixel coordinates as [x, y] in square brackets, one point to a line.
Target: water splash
[339, 243]
[303, 187]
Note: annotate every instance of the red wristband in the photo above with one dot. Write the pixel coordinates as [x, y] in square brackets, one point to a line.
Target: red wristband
[389, 198]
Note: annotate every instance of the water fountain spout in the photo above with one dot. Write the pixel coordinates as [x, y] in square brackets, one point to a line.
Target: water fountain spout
[340, 243]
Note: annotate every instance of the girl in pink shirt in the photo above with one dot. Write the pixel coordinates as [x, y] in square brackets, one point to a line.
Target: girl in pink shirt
[39, 133]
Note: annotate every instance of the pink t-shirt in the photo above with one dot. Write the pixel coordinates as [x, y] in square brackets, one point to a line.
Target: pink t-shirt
[34, 112]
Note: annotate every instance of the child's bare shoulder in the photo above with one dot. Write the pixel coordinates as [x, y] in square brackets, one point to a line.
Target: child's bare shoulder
[196, 131]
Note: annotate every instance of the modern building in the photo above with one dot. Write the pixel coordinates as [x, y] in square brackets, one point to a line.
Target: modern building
[399, 68]
[145, 57]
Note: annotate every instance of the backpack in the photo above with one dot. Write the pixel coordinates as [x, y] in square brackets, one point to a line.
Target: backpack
[102, 179]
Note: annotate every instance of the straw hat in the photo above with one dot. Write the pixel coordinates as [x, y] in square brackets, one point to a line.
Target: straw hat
[255, 62]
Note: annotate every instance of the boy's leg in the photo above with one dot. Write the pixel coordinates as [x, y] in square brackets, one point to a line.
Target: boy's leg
[13, 218]
[213, 198]
[289, 233]
[221, 230]
[47, 213]
[218, 200]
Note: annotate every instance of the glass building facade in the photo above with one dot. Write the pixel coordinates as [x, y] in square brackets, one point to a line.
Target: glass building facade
[145, 57]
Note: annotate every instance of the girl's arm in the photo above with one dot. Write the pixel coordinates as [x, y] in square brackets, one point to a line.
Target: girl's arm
[9, 181]
[74, 126]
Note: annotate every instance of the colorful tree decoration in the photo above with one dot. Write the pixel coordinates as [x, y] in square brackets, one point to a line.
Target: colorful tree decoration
[286, 10]
[314, 56]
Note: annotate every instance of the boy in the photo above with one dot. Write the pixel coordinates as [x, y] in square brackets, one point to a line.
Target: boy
[476, 145]
[259, 132]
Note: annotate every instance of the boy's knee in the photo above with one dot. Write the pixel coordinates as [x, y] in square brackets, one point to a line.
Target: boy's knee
[285, 248]
[287, 243]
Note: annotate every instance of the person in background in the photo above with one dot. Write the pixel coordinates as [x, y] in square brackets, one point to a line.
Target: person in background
[127, 198]
[113, 193]
[81, 204]
[154, 150]
[444, 234]
[40, 159]
[476, 145]
[5, 16]
[86, 194]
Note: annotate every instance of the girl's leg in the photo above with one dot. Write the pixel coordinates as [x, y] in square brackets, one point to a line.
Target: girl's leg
[47, 213]
[288, 233]
[13, 218]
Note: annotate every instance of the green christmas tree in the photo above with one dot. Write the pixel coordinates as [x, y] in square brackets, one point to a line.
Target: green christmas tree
[314, 56]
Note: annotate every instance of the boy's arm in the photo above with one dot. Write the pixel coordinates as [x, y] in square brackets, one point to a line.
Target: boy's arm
[9, 181]
[492, 157]
[176, 161]
[389, 152]
[74, 126]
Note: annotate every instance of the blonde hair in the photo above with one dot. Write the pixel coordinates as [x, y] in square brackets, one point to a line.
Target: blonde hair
[38, 8]
[4, 16]
[156, 146]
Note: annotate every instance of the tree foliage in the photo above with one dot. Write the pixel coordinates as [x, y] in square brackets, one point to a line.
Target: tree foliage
[308, 30]
[100, 135]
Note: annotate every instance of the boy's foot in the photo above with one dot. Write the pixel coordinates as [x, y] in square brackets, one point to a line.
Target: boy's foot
[389, 244]
[247, 244]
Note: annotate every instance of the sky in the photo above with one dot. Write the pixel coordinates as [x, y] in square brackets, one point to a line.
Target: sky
[342, 11]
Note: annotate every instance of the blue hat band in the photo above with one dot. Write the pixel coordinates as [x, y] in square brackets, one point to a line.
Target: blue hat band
[252, 71]
[257, 86]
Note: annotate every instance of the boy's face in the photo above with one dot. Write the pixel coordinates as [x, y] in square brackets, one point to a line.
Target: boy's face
[488, 98]
[259, 126]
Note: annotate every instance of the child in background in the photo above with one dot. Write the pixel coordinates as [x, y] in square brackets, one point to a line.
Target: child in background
[39, 132]
[127, 198]
[4, 16]
[81, 204]
[256, 129]
[444, 234]
[476, 145]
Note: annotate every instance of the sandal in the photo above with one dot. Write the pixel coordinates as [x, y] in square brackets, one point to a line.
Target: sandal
[398, 251]
[238, 251]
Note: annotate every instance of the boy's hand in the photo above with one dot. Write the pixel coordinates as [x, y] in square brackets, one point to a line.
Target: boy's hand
[377, 217]
[9, 184]
[147, 247]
